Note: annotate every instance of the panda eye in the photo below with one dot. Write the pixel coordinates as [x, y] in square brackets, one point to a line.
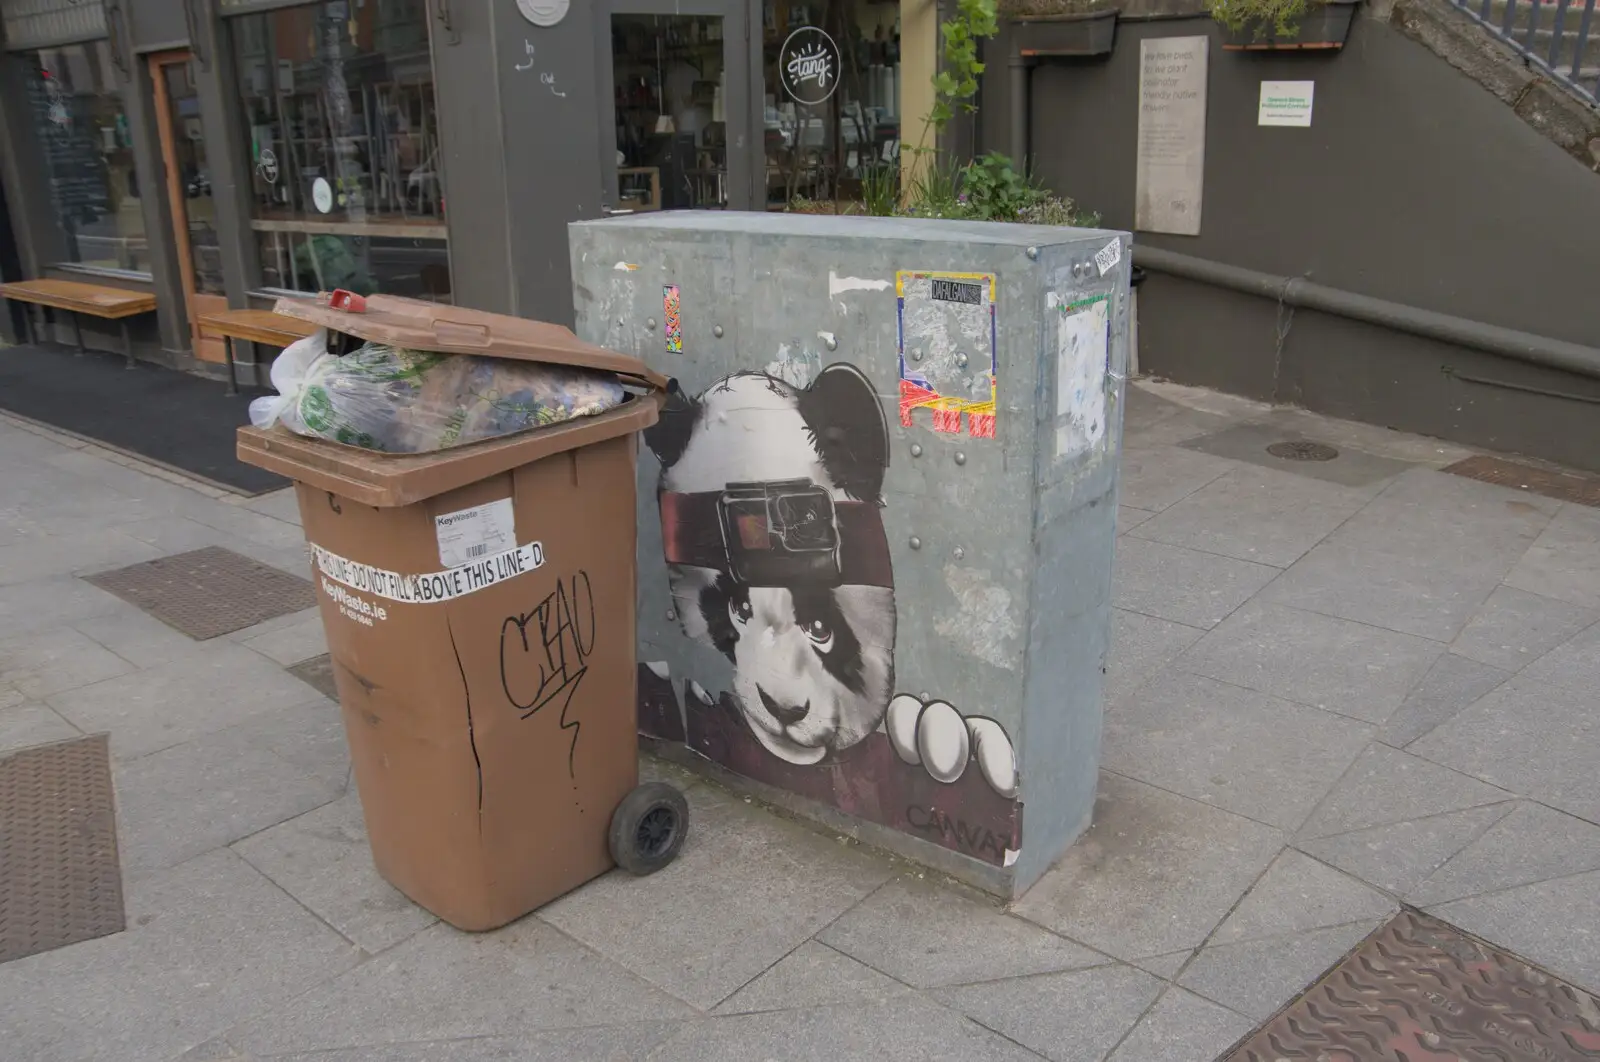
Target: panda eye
[821, 635]
[739, 609]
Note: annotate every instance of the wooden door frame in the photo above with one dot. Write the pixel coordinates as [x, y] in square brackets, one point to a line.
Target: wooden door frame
[203, 345]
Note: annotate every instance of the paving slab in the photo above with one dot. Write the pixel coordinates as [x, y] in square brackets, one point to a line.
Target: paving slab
[1399, 856]
[1574, 664]
[292, 643]
[1555, 924]
[812, 975]
[1154, 874]
[1532, 843]
[1451, 684]
[280, 504]
[902, 1030]
[443, 984]
[927, 936]
[70, 550]
[1066, 1017]
[1386, 785]
[24, 723]
[183, 699]
[1141, 646]
[1533, 738]
[1338, 665]
[1255, 514]
[321, 858]
[1182, 1027]
[1183, 585]
[634, 1042]
[1158, 477]
[181, 802]
[1515, 627]
[1240, 750]
[1564, 562]
[1257, 977]
[56, 660]
[42, 603]
[1296, 894]
[137, 637]
[208, 943]
[746, 890]
[1165, 966]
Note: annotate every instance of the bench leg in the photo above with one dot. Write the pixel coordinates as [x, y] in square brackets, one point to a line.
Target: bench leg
[127, 341]
[233, 376]
[77, 332]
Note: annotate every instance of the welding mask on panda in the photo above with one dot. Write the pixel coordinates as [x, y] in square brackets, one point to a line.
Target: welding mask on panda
[782, 533]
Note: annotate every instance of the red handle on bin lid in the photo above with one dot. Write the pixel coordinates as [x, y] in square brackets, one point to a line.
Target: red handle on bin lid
[348, 301]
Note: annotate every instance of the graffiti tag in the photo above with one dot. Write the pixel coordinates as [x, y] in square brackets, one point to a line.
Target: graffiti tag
[544, 653]
[968, 838]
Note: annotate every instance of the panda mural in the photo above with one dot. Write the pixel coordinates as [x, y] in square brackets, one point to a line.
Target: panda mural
[771, 502]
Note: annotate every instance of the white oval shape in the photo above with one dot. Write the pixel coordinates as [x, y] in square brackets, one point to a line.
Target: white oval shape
[943, 742]
[900, 723]
[996, 758]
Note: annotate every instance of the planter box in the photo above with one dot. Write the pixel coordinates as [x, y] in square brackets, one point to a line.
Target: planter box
[1324, 28]
[1065, 35]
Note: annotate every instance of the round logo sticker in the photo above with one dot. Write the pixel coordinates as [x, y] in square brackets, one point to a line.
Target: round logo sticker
[808, 65]
[267, 165]
[322, 194]
[543, 12]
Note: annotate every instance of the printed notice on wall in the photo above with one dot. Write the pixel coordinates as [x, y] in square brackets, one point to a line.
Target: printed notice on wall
[1083, 336]
[1172, 134]
[472, 534]
[1285, 103]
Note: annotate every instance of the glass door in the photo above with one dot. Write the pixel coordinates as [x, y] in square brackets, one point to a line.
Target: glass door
[194, 213]
[679, 78]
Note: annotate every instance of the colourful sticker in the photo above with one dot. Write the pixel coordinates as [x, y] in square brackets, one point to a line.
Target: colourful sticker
[669, 310]
[948, 363]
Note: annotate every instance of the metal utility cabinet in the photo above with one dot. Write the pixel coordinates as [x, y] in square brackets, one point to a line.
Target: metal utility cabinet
[876, 519]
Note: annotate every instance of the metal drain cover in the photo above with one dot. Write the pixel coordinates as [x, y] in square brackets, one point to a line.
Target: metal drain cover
[208, 592]
[1418, 990]
[1302, 450]
[1579, 488]
[60, 880]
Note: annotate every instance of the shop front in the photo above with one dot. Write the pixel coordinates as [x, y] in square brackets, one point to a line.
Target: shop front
[224, 153]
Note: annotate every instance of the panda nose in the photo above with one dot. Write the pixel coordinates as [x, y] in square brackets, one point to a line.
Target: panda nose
[785, 714]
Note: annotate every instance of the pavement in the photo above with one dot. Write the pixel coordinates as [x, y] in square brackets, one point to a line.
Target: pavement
[1335, 688]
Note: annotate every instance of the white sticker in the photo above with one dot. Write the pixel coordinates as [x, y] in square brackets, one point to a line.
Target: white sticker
[1107, 257]
[429, 587]
[1286, 103]
[472, 534]
[322, 194]
[1082, 343]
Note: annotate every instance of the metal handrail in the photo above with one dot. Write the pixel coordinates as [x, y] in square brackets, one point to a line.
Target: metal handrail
[1567, 58]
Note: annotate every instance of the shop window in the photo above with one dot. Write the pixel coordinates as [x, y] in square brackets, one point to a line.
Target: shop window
[344, 147]
[820, 151]
[672, 144]
[77, 112]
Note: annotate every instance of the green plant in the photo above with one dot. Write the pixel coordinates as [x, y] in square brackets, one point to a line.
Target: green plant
[995, 191]
[1279, 17]
[956, 84]
[880, 190]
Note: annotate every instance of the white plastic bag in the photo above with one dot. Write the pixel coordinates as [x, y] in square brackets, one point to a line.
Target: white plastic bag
[399, 400]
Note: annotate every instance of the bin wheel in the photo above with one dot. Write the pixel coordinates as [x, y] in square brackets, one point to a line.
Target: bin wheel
[648, 828]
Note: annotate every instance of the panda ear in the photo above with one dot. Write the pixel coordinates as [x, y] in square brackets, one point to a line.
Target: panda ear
[669, 436]
[849, 429]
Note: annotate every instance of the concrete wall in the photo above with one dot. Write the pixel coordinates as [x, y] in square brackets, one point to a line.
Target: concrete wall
[1414, 185]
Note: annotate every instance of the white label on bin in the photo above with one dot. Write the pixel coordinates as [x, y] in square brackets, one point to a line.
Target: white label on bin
[469, 535]
[429, 587]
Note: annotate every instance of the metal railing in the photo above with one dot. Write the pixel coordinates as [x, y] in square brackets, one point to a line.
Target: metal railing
[1565, 48]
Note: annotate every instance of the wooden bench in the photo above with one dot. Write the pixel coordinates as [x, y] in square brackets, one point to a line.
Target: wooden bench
[75, 297]
[254, 326]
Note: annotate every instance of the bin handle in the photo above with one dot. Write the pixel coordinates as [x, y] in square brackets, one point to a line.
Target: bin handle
[349, 301]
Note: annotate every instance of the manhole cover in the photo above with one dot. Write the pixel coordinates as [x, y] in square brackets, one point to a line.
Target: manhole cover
[208, 592]
[1419, 989]
[1576, 487]
[60, 881]
[1302, 450]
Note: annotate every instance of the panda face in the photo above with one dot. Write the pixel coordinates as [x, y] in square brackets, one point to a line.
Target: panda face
[813, 662]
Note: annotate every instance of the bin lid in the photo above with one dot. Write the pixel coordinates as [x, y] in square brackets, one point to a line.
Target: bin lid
[388, 481]
[420, 325]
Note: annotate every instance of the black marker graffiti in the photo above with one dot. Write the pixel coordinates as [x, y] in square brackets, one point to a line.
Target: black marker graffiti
[564, 639]
[974, 839]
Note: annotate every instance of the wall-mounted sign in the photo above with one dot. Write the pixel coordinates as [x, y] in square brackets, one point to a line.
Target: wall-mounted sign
[1170, 167]
[543, 12]
[1285, 103]
[322, 194]
[808, 65]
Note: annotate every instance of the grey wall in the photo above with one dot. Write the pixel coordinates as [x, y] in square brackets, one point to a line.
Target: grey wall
[161, 23]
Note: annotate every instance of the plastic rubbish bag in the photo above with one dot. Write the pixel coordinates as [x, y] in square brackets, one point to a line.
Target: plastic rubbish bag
[411, 401]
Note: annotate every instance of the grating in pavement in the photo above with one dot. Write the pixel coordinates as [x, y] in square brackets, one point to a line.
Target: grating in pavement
[60, 881]
[317, 673]
[1418, 989]
[1302, 450]
[208, 592]
[1576, 487]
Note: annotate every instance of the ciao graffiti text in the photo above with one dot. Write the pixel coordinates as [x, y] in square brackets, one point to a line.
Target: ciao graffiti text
[544, 653]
